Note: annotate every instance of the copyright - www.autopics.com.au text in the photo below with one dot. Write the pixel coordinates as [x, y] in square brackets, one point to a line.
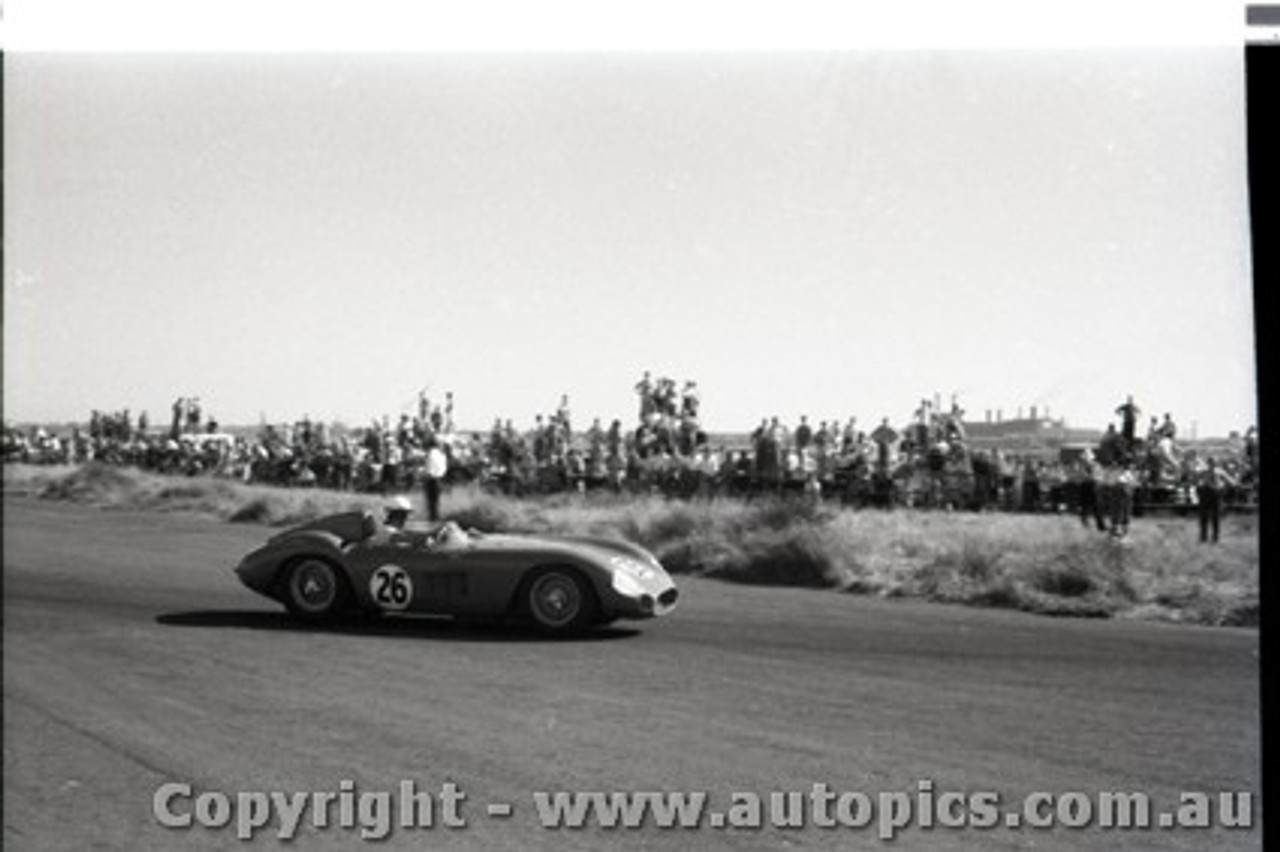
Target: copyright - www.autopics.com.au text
[373, 815]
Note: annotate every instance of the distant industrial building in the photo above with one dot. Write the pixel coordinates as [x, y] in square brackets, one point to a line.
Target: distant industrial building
[1034, 430]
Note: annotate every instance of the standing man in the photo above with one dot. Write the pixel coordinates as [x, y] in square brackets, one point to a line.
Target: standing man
[179, 411]
[849, 437]
[1210, 485]
[194, 415]
[1031, 486]
[1120, 489]
[644, 389]
[803, 434]
[437, 465]
[1129, 412]
[886, 439]
[1250, 453]
[1089, 493]
[1111, 449]
[562, 418]
[613, 438]
[595, 438]
[690, 400]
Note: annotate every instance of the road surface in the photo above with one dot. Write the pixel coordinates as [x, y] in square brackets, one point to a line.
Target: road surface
[134, 659]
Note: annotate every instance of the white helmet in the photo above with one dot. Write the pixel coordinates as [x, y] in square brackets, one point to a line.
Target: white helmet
[398, 503]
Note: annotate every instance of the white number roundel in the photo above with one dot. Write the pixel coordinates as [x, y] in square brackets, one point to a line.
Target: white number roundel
[391, 587]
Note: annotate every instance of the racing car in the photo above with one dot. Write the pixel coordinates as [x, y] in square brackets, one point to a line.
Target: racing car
[356, 562]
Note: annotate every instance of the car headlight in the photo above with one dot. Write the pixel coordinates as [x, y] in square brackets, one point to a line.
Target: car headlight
[627, 585]
[633, 567]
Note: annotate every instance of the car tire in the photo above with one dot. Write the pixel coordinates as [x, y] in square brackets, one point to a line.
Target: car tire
[559, 601]
[315, 589]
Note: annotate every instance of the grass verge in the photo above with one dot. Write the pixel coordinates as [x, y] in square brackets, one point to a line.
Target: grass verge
[1049, 565]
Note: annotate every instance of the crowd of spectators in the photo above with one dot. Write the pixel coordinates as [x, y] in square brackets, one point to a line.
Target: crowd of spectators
[927, 462]
[384, 456]
[1128, 472]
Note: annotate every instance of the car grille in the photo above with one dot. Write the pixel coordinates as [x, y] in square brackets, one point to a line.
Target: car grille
[668, 598]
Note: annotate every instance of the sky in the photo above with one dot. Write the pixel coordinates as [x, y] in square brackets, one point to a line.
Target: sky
[828, 231]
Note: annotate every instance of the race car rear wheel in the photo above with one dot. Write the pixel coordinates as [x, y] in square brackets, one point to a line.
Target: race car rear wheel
[314, 589]
[559, 600]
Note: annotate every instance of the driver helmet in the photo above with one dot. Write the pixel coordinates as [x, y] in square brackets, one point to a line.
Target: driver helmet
[397, 509]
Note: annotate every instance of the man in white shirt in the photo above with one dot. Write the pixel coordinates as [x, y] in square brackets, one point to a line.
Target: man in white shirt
[437, 465]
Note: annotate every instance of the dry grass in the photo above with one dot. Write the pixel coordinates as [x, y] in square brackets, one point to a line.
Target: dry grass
[1049, 565]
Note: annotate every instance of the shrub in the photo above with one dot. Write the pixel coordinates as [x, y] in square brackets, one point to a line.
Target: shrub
[256, 511]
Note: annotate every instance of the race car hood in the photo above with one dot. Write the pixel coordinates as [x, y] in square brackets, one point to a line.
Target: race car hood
[599, 549]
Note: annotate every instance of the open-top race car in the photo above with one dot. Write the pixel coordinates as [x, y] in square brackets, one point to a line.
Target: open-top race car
[353, 561]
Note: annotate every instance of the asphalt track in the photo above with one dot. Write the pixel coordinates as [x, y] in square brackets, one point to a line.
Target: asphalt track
[133, 658]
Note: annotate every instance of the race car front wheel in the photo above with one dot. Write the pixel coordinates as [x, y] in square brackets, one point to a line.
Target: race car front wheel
[314, 589]
[559, 600]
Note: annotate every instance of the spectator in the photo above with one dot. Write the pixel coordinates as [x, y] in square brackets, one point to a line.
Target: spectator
[833, 435]
[541, 443]
[804, 433]
[1129, 412]
[616, 468]
[437, 465]
[690, 438]
[391, 461]
[1251, 450]
[614, 438]
[1211, 483]
[497, 438]
[1031, 486]
[849, 437]
[1111, 450]
[886, 437]
[644, 388]
[1165, 456]
[953, 426]
[1006, 479]
[1120, 498]
[690, 400]
[193, 415]
[596, 437]
[1153, 431]
[1089, 491]
[562, 417]
[769, 456]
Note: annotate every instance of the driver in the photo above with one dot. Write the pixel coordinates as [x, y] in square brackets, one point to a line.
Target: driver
[396, 513]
